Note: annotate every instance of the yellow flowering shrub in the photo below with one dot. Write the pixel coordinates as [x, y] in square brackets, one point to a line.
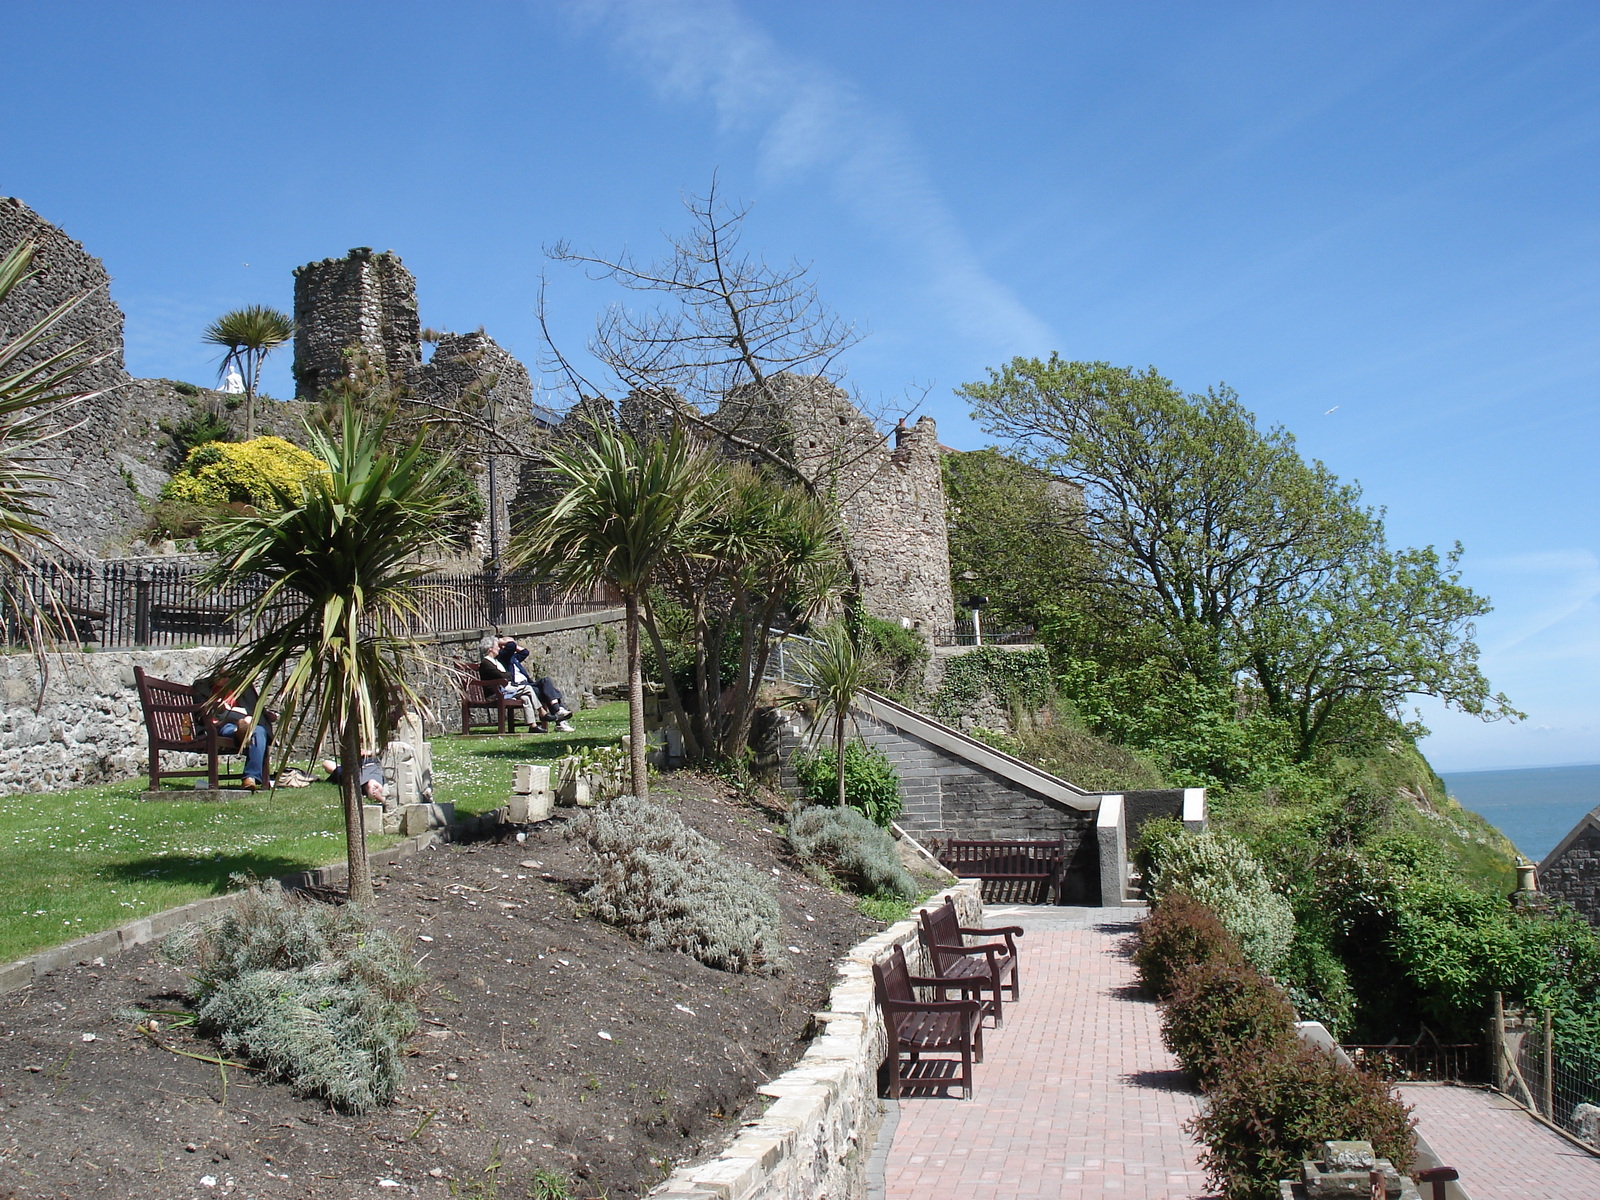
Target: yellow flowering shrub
[241, 472]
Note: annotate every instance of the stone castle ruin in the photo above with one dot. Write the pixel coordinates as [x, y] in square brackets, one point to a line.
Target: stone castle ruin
[361, 311]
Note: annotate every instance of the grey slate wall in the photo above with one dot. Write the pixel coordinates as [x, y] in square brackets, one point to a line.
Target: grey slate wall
[1574, 876]
[949, 798]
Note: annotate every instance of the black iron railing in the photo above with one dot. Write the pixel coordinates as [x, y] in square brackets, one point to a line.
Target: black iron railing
[140, 603]
[1429, 1062]
[962, 633]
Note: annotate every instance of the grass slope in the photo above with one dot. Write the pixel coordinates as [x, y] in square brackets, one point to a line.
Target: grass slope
[79, 861]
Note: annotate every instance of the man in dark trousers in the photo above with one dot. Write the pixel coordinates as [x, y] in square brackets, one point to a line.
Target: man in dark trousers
[502, 665]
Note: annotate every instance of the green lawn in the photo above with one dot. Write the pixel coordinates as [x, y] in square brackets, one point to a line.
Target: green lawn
[76, 862]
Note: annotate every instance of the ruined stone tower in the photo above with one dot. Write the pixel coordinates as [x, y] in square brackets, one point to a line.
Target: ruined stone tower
[365, 301]
[890, 491]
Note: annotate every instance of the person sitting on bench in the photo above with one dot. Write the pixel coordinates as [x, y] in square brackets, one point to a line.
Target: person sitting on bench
[502, 664]
[234, 711]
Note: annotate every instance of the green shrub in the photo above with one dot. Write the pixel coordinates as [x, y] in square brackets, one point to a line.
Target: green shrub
[1181, 933]
[899, 657]
[870, 783]
[199, 428]
[1157, 839]
[1220, 1011]
[1220, 872]
[852, 849]
[1270, 1110]
[313, 993]
[1318, 983]
[676, 889]
[1017, 679]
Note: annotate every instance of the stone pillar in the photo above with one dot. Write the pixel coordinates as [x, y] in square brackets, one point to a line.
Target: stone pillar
[1112, 837]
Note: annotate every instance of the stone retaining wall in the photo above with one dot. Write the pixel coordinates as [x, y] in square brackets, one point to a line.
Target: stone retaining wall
[89, 728]
[813, 1139]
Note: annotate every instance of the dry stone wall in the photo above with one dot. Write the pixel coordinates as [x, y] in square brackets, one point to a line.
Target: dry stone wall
[813, 1140]
[89, 728]
[364, 299]
[889, 489]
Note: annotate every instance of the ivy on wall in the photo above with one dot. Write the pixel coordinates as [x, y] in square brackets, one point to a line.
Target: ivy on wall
[1014, 678]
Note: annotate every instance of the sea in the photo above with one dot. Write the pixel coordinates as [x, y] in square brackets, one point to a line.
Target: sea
[1533, 806]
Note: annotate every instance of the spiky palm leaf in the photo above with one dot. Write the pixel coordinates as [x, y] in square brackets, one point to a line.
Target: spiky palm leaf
[838, 668]
[344, 581]
[38, 375]
[629, 504]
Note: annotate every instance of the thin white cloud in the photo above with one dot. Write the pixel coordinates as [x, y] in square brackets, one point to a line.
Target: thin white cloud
[808, 120]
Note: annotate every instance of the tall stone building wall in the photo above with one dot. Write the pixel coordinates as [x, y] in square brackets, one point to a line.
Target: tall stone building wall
[889, 489]
[364, 299]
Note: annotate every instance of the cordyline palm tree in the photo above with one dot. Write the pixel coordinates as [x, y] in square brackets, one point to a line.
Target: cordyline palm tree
[839, 670]
[249, 335]
[341, 561]
[38, 384]
[629, 504]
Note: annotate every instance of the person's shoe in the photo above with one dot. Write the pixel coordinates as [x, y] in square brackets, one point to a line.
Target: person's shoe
[562, 714]
[565, 727]
[540, 728]
[249, 784]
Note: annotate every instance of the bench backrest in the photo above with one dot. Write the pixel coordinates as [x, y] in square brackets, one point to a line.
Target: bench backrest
[475, 690]
[892, 979]
[994, 858]
[168, 708]
[940, 927]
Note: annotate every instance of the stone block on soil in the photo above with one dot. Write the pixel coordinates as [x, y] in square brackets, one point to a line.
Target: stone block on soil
[530, 778]
[372, 819]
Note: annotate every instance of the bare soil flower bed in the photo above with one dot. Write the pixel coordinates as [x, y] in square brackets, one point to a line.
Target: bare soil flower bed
[556, 1055]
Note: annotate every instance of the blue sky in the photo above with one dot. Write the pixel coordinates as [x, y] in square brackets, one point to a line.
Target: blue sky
[1386, 211]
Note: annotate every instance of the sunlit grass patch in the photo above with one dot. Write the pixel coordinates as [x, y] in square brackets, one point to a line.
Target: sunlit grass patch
[76, 862]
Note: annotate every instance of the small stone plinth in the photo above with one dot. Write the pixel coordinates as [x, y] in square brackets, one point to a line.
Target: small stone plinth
[210, 795]
[419, 818]
[1344, 1173]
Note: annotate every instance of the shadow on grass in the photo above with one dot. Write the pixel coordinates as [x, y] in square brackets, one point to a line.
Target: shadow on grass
[539, 746]
[213, 873]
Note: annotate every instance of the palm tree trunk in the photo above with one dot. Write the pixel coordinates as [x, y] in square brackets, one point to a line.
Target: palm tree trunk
[355, 830]
[838, 750]
[639, 771]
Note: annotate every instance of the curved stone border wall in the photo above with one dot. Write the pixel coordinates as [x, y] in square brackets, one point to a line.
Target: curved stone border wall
[814, 1138]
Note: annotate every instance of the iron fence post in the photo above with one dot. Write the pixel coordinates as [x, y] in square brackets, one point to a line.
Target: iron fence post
[141, 607]
[1549, 1088]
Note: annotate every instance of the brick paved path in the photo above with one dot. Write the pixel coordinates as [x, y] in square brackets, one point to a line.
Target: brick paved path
[1501, 1152]
[1076, 1096]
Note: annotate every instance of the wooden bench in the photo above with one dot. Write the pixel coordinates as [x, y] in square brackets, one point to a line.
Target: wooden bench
[1012, 872]
[477, 693]
[174, 724]
[983, 967]
[921, 1027]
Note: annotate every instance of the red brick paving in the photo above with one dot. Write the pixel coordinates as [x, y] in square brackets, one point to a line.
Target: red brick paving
[1076, 1096]
[1501, 1152]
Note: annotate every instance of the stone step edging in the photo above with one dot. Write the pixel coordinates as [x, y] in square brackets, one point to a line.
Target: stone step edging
[815, 1137]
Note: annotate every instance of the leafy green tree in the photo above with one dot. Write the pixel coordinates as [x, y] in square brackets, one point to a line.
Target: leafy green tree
[1013, 536]
[341, 558]
[629, 505]
[249, 335]
[1234, 557]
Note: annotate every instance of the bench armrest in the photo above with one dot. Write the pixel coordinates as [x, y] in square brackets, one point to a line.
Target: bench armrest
[992, 946]
[997, 931]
